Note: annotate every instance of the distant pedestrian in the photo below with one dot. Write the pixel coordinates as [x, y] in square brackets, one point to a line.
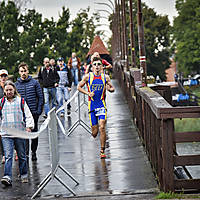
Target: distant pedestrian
[31, 91]
[105, 63]
[14, 117]
[3, 79]
[97, 84]
[83, 69]
[52, 63]
[49, 79]
[64, 86]
[74, 64]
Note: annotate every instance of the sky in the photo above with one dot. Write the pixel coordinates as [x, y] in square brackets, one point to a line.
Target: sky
[52, 8]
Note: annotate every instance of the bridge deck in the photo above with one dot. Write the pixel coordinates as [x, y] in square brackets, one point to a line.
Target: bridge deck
[125, 171]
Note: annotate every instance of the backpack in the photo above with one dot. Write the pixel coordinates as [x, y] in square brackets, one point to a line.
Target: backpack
[22, 106]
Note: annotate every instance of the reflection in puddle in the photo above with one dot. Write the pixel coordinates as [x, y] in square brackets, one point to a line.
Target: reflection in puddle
[101, 175]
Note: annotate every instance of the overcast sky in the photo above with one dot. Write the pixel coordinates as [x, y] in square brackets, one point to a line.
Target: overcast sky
[51, 8]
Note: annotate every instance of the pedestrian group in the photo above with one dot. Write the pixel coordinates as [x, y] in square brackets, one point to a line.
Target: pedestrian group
[22, 102]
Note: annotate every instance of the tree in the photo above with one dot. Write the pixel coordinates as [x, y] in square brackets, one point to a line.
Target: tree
[62, 38]
[83, 32]
[32, 39]
[25, 37]
[186, 31]
[157, 39]
[9, 35]
[157, 42]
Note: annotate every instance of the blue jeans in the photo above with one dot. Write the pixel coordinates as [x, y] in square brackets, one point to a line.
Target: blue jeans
[49, 94]
[8, 147]
[75, 75]
[61, 92]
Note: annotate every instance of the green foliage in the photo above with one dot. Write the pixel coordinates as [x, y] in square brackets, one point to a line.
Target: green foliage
[157, 40]
[172, 195]
[168, 195]
[186, 32]
[83, 32]
[9, 36]
[196, 91]
[40, 38]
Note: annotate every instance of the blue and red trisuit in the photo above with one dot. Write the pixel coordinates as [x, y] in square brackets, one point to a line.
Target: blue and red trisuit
[96, 104]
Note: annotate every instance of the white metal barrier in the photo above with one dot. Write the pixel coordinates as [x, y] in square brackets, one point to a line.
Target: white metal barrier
[54, 156]
[79, 121]
[51, 124]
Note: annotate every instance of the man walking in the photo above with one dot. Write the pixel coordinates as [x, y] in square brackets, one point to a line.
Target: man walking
[97, 85]
[31, 91]
[74, 64]
[64, 86]
[14, 117]
[49, 79]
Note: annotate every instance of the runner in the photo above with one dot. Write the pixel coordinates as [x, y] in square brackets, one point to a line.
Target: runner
[97, 84]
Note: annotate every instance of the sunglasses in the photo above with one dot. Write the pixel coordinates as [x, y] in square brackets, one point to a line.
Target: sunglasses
[23, 71]
[4, 75]
[97, 64]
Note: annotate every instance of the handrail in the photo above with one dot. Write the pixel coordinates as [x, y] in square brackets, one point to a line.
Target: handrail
[154, 118]
[162, 109]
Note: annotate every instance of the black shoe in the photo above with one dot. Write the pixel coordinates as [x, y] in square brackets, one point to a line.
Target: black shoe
[62, 114]
[68, 106]
[68, 111]
[6, 181]
[34, 157]
[45, 116]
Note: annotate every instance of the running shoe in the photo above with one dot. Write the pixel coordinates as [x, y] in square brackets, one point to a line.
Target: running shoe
[102, 155]
[44, 116]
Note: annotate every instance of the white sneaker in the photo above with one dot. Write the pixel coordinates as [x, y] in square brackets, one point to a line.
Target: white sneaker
[62, 115]
[6, 180]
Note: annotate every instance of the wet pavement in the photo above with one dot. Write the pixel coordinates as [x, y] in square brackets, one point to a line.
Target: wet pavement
[124, 174]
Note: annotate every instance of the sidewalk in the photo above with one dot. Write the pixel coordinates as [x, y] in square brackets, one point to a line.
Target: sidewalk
[125, 174]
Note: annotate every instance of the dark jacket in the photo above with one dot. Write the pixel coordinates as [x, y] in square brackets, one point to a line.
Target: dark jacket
[31, 91]
[1, 92]
[48, 79]
[65, 76]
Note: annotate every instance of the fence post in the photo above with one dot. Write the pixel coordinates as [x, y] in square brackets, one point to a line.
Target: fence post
[167, 134]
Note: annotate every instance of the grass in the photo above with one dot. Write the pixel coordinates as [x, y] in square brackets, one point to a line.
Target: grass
[194, 90]
[168, 195]
[172, 195]
[187, 124]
